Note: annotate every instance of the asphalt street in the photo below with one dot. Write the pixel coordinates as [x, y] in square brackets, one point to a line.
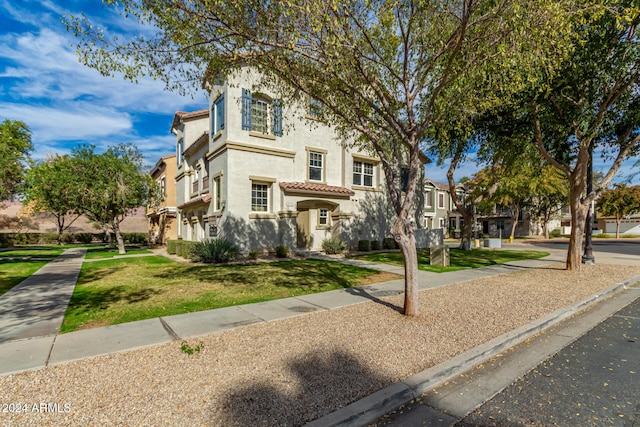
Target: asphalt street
[584, 371]
[593, 382]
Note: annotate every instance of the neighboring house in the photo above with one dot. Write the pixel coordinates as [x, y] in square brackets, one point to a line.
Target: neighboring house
[162, 217]
[251, 171]
[439, 211]
[630, 225]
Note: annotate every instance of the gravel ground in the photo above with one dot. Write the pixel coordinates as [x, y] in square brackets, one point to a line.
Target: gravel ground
[289, 372]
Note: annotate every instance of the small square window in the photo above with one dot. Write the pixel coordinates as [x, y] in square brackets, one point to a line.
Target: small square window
[323, 216]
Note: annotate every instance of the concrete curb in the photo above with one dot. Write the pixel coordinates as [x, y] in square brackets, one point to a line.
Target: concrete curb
[372, 407]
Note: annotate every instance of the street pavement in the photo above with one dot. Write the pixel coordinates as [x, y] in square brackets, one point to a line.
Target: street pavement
[583, 371]
[31, 339]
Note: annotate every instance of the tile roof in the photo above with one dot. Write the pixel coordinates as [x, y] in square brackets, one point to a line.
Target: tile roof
[304, 187]
[182, 115]
[202, 199]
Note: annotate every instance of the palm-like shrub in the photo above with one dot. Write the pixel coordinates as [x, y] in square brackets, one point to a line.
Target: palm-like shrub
[214, 251]
[333, 246]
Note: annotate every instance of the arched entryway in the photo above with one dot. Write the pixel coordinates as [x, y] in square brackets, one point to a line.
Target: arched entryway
[314, 223]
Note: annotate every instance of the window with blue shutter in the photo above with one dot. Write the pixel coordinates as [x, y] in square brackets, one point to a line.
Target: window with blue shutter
[277, 117]
[219, 114]
[246, 109]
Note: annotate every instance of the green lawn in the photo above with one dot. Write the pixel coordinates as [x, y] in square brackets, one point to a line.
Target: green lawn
[106, 252]
[15, 271]
[127, 289]
[459, 259]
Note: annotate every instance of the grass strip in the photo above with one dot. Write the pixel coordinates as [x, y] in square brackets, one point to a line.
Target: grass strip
[459, 259]
[128, 289]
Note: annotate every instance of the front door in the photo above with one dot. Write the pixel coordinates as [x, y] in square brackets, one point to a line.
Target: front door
[303, 230]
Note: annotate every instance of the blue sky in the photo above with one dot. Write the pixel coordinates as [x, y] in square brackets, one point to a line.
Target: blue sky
[65, 103]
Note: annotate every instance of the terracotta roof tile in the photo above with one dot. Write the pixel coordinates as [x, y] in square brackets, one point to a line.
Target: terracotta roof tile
[304, 187]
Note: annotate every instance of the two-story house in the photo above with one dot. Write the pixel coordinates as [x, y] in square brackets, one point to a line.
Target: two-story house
[162, 215]
[261, 174]
[439, 211]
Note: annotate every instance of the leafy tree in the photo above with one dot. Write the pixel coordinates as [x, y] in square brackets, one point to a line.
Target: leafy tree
[619, 201]
[15, 146]
[386, 73]
[114, 184]
[52, 187]
[550, 191]
[593, 103]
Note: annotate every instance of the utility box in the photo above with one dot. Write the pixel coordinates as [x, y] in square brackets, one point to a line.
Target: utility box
[439, 255]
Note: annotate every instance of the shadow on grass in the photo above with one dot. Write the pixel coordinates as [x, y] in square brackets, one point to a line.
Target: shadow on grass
[322, 382]
[88, 300]
[287, 274]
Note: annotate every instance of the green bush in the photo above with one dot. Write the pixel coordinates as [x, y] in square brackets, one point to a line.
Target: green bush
[389, 243]
[364, 245]
[188, 249]
[375, 245]
[68, 238]
[282, 251]
[214, 251]
[49, 238]
[171, 247]
[555, 233]
[253, 254]
[85, 238]
[333, 246]
[179, 247]
[135, 238]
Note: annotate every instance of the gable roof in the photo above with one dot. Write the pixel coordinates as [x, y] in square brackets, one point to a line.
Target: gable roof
[181, 117]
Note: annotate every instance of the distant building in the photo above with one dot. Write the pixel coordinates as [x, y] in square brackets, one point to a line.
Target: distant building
[162, 216]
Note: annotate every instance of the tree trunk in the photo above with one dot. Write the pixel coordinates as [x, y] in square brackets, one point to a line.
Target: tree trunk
[406, 240]
[60, 221]
[514, 223]
[119, 239]
[467, 230]
[618, 227]
[578, 216]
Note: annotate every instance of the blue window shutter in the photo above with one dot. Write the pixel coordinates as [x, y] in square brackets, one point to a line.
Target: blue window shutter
[277, 117]
[246, 109]
[220, 114]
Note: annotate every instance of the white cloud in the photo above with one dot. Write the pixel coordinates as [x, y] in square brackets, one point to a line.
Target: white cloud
[50, 124]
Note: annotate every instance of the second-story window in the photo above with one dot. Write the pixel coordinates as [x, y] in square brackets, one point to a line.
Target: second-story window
[163, 186]
[428, 199]
[217, 193]
[440, 200]
[196, 181]
[316, 166]
[363, 173]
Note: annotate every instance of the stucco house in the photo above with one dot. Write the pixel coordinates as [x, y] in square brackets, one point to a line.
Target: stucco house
[260, 174]
[162, 215]
[439, 211]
